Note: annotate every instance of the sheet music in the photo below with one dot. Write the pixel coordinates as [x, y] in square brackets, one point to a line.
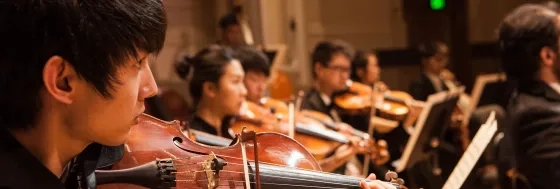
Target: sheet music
[472, 154]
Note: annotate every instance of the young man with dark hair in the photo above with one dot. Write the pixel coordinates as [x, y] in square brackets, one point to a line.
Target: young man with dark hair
[434, 56]
[529, 41]
[74, 75]
[331, 69]
[257, 69]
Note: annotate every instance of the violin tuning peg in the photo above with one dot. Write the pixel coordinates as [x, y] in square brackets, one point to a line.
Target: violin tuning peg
[390, 175]
[400, 181]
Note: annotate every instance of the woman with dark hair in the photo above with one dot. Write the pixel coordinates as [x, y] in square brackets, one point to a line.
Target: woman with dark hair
[216, 88]
[365, 68]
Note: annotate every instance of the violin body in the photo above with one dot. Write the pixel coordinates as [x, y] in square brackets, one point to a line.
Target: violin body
[154, 139]
[317, 119]
[358, 101]
[258, 119]
[158, 155]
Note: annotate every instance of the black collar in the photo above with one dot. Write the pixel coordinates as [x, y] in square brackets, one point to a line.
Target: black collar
[23, 170]
[24, 166]
[539, 88]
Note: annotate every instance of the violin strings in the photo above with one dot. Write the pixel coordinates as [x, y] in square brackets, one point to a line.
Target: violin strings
[314, 181]
[239, 164]
[266, 163]
[262, 168]
[270, 183]
[281, 177]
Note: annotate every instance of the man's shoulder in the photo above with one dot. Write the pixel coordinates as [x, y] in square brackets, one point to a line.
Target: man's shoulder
[526, 106]
[20, 169]
[535, 122]
[15, 175]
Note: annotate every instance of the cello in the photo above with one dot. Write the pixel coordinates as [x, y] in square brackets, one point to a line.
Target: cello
[171, 160]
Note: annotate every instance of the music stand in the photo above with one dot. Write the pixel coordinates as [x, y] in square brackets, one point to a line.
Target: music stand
[495, 91]
[430, 127]
[488, 89]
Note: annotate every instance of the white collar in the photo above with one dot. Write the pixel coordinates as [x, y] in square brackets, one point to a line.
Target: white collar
[555, 86]
[326, 99]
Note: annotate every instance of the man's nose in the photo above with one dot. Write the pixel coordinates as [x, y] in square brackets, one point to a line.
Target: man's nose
[148, 87]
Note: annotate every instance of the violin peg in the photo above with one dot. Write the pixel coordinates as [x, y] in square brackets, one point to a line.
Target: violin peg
[390, 175]
[400, 181]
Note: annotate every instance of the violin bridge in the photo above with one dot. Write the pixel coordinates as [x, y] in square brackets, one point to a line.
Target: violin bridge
[212, 166]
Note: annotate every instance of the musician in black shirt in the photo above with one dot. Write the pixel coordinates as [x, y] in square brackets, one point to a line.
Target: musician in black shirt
[529, 40]
[216, 86]
[74, 76]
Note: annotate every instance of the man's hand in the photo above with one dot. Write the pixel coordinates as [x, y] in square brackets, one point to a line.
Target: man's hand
[373, 184]
[447, 75]
[345, 128]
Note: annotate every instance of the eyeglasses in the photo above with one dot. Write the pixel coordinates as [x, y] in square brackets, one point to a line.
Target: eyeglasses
[340, 69]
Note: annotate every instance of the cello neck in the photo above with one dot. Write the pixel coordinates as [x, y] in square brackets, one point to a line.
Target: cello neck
[278, 177]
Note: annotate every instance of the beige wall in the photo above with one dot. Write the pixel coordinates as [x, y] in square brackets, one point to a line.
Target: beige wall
[366, 24]
[485, 16]
[192, 25]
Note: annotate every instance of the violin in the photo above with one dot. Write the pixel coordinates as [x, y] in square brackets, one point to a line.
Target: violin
[259, 119]
[314, 136]
[158, 155]
[381, 154]
[381, 145]
[358, 101]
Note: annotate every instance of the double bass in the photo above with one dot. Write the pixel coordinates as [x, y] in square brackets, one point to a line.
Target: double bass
[158, 155]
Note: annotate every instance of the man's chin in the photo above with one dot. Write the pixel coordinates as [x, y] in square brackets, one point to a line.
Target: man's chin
[115, 140]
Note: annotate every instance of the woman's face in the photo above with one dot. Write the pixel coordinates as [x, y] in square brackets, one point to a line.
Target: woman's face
[372, 70]
[231, 92]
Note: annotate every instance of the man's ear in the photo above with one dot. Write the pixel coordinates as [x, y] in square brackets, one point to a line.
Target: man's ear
[59, 78]
[548, 56]
[317, 67]
[210, 89]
